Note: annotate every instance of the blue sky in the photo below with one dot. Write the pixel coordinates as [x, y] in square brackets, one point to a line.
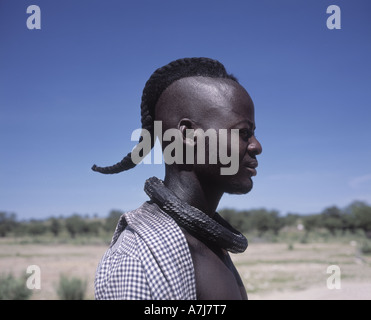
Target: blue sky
[70, 97]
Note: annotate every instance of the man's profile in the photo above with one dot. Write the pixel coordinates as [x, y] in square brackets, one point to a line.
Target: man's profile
[175, 246]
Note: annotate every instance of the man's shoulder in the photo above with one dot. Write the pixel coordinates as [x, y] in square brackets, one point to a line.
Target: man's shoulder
[131, 218]
[148, 221]
[125, 244]
[148, 215]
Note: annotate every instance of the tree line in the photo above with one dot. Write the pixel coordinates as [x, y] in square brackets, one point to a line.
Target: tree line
[353, 218]
[74, 225]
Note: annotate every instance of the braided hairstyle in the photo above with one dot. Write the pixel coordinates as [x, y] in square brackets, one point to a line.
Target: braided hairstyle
[156, 84]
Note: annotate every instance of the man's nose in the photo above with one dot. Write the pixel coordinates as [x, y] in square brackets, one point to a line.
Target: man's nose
[254, 147]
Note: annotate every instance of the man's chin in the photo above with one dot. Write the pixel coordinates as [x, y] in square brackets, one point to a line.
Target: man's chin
[239, 188]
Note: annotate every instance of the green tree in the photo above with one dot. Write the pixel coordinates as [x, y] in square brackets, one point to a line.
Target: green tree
[332, 219]
[276, 222]
[349, 222]
[8, 223]
[75, 225]
[55, 226]
[36, 227]
[311, 222]
[291, 219]
[264, 220]
[238, 219]
[363, 218]
[94, 227]
[112, 220]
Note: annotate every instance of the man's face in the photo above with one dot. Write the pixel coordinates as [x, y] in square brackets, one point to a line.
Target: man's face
[219, 105]
[232, 108]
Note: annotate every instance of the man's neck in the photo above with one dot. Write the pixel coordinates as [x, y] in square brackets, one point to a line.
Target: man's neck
[188, 187]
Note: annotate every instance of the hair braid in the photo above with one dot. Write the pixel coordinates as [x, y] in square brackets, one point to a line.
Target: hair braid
[156, 84]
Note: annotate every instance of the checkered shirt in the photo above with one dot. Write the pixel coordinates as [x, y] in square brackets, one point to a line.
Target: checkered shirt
[148, 259]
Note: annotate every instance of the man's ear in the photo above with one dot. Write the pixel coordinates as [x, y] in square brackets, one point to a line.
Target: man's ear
[187, 128]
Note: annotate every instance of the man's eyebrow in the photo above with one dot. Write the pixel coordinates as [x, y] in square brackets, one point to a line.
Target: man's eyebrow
[249, 122]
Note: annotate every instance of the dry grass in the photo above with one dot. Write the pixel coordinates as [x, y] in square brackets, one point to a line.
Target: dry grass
[276, 271]
[73, 260]
[269, 270]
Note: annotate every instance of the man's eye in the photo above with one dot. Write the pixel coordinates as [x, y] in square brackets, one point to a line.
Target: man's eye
[246, 134]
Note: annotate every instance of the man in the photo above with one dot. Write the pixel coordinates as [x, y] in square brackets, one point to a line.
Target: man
[175, 246]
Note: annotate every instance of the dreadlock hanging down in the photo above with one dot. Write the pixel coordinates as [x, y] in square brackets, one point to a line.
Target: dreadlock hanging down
[156, 84]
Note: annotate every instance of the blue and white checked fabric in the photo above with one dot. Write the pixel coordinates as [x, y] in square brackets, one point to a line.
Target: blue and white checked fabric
[148, 259]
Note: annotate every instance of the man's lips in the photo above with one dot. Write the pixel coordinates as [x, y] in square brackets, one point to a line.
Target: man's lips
[251, 165]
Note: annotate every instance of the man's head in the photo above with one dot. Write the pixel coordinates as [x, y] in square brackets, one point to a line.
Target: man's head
[216, 106]
[198, 93]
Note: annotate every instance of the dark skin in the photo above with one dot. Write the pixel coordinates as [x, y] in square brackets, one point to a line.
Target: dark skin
[204, 103]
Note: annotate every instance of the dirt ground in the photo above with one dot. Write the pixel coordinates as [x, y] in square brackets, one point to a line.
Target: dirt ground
[72, 260]
[277, 272]
[270, 271]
